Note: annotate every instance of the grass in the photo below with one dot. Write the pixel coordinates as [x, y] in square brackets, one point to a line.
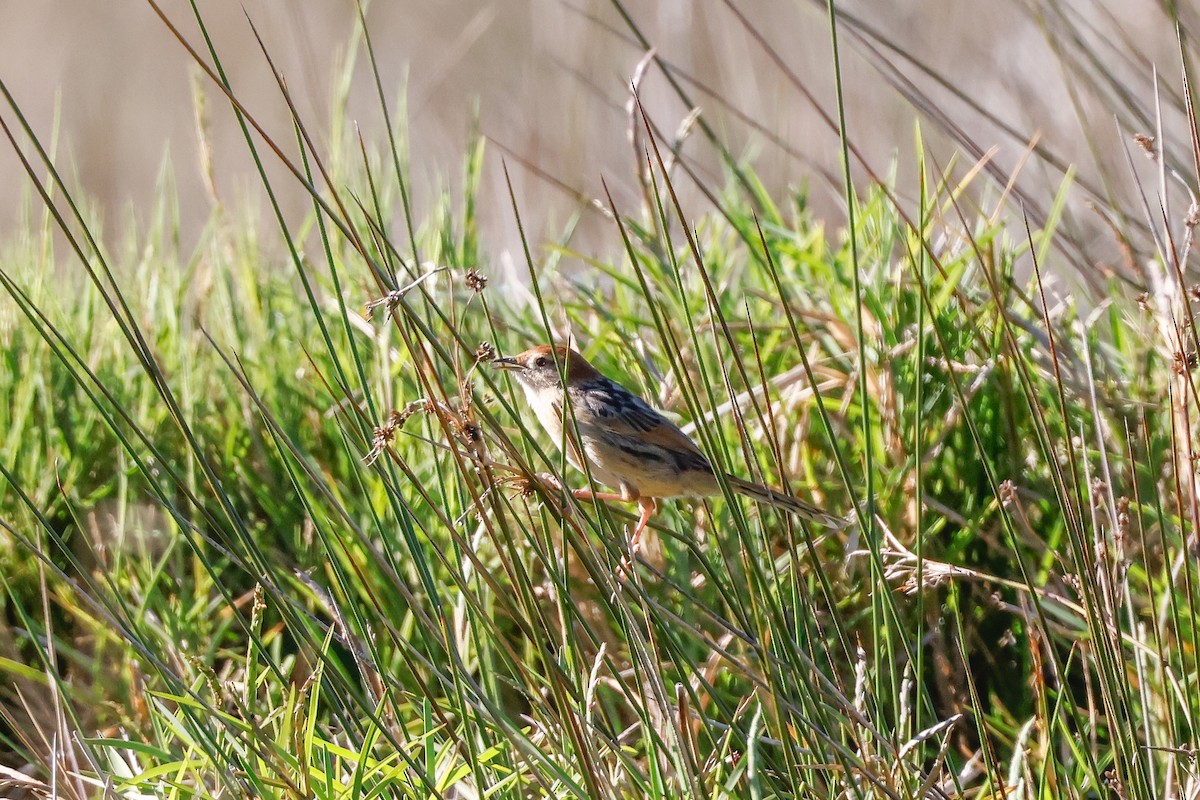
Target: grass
[261, 542]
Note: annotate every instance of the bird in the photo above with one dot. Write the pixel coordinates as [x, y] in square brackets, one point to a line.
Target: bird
[626, 444]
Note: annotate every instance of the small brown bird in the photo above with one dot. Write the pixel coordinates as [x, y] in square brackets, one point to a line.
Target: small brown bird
[627, 444]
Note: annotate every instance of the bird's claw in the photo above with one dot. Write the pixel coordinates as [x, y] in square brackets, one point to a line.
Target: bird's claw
[625, 568]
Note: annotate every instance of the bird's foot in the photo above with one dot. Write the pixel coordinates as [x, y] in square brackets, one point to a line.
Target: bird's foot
[625, 568]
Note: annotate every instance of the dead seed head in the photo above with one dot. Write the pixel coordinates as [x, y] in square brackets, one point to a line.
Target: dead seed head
[382, 436]
[1147, 144]
[389, 301]
[476, 280]
[911, 585]
[1180, 365]
[1114, 782]
[932, 575]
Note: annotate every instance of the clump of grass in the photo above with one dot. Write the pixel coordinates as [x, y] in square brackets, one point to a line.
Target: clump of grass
[263, 542]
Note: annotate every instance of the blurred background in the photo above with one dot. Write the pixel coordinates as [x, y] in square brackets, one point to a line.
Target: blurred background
[546, 81]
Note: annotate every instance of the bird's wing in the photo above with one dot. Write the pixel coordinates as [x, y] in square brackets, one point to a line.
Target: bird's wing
[624, 415]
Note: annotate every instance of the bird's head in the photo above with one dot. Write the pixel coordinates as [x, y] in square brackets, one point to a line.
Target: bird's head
[543, 367]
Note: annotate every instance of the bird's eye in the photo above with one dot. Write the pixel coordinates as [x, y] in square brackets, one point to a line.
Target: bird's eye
[541, 361]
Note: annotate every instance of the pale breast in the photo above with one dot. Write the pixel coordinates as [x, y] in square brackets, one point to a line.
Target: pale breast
[550, 415]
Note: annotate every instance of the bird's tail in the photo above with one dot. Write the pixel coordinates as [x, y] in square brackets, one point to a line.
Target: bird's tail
[790, 504]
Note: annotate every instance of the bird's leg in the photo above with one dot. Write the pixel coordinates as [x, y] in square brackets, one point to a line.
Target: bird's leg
[588, 494]
[648, 507]
[553, 482]
[627, 495]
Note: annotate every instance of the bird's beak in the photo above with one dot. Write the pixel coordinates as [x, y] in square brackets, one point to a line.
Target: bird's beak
[507, 363]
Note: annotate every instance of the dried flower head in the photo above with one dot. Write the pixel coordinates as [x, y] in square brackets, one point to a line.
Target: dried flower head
[485, 353]
[1147, 144]
[1122, 530]
[1113, 781]
[1183, 362]
[382, 436]
[390, 301]
[476, 280]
